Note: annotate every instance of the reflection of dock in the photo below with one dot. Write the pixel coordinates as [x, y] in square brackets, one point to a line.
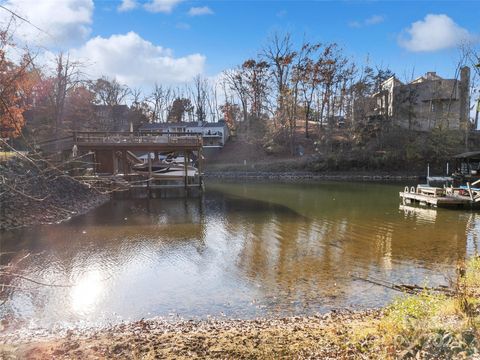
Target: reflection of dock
[429, 215]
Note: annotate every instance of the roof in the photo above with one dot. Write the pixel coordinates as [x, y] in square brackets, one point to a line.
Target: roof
[393, 79]
[157, 126]
[154, 126]
[468, 155]
[215, 124]
[164, 125]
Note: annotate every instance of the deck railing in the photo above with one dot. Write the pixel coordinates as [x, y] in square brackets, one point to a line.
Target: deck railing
[143, 137]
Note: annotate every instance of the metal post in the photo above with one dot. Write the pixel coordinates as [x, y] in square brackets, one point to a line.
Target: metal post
[115, 163]
[428, 174]
[125, 163]
[149, 172]
[185, 164]
[470, 191]
[200, 167]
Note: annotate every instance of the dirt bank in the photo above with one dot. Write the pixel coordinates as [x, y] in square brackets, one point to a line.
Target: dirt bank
[34, 192]
[321, 337]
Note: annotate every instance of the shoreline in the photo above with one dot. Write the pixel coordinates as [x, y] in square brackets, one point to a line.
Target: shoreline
[302, 176]
[320, 336]
[50, 214]
[37, 194]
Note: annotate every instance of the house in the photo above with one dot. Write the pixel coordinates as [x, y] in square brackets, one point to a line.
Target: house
[214, 134]
[110, 118]
[425, 103]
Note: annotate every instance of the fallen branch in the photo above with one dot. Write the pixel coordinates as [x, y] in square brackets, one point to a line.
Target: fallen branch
[407, 288]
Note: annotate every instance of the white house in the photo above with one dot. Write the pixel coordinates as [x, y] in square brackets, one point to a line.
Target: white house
[214, 134]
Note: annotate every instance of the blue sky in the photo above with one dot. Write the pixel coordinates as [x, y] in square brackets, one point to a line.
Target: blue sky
[224, 33]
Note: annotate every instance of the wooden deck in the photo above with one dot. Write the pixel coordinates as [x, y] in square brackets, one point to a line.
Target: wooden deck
[437, 201]
[111, 156]
[138, 141]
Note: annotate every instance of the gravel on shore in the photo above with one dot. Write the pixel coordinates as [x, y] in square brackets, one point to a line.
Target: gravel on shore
[326, 336]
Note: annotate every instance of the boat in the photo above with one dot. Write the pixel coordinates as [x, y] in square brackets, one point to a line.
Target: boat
[143, 167]
[162, 170]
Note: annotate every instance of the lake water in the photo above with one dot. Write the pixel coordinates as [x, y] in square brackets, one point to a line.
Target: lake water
[241, 250]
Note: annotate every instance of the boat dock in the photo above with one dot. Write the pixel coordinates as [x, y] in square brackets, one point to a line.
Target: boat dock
[114, 158]
[440, 197]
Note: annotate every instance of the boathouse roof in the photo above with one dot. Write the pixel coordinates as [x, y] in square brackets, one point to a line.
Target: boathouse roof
[468, 155]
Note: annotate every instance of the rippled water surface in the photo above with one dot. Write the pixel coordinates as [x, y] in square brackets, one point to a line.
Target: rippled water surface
[241, 250]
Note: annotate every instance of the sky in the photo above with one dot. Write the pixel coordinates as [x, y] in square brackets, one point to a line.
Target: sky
[142, 42]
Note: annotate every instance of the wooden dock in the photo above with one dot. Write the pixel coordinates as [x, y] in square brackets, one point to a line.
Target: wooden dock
[436, 201]
[112, 156]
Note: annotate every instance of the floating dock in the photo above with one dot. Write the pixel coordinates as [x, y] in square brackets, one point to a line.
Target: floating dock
[440, 197]
[444, 201]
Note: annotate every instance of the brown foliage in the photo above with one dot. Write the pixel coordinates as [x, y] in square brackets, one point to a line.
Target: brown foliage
[16, 82]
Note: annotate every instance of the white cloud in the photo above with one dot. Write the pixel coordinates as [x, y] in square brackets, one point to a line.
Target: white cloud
[66, 22]
[372, 20]
[127, 5]
[198, 11]
[435, 32]
[375, 19]
[162, 6]
[135, 61]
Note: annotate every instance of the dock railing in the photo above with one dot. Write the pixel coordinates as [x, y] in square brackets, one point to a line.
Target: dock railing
[137, 137]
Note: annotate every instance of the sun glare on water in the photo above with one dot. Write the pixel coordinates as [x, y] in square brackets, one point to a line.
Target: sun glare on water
[86, 293]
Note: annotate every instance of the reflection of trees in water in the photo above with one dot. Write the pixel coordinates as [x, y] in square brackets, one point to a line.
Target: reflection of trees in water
[104, 242]
[436, 236]
[288, 253]
[313, 258]
[473, 228]
[301, 249]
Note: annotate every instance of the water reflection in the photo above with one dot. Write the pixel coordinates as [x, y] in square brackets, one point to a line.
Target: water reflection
[241, 250]
[85, 294]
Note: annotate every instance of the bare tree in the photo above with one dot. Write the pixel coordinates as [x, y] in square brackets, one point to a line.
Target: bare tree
[109, 92]
[256, 76]
[308, 73]
[238, 84]
[160, 100]
[200, 97]
[279, 54]
[68, 74]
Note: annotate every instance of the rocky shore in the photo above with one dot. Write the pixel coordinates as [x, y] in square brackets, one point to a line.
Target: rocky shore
[301, 176]
[34, 192]
[328, 336]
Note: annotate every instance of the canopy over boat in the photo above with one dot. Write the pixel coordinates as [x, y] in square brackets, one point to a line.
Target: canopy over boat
[472, 155]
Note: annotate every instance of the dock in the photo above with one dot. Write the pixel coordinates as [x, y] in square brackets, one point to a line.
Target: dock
[440, 197]
[444, 201]
[112, 154]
